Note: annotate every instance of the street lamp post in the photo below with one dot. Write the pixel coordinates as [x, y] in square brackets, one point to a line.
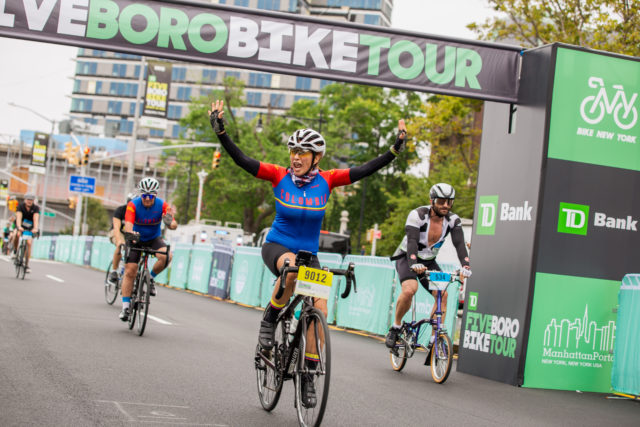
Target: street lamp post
[202, 175]
[134, 133]
[46, 161]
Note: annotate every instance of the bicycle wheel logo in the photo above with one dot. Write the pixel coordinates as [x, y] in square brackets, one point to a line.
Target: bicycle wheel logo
[594, 107]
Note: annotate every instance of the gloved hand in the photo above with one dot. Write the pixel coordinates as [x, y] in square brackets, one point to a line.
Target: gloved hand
[216, 122]
[465, 272]
[168, 219]
[399, 145]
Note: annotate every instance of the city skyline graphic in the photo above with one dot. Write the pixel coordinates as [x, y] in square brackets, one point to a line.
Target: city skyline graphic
[565, 333]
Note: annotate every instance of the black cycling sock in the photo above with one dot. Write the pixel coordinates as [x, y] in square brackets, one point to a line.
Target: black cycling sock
[271, 313]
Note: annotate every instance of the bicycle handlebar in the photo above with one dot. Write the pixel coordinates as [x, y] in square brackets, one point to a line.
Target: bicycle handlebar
[348, 274]
[135, 237]
[424, 276]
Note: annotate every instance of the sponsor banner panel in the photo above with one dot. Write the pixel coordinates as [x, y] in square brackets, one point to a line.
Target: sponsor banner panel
[590, 219]
[39, 149]
[572, 333]
[268, 41]
[594, 113]
[156, 96]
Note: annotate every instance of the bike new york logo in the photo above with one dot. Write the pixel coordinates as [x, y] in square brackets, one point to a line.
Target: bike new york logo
[574, 219]
[594, 107]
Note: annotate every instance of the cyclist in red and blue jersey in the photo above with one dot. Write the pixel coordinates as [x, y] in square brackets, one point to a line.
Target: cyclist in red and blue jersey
[302, 192]
[144, 216]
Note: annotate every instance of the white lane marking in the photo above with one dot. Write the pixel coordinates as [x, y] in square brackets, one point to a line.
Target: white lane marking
[5, 259]
[157, 319]
[57, 279]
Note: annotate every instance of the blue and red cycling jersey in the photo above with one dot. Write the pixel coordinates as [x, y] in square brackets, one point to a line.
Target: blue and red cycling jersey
[300, 210]
[146, 221]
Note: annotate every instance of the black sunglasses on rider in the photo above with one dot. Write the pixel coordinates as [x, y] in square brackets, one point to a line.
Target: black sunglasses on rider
[441, 201]
[148, 196]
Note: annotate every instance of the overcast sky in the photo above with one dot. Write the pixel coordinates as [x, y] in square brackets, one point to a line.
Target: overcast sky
[39, 75]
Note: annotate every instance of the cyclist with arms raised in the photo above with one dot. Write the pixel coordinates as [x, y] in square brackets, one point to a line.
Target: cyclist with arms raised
[426, 229]
[301, 191]
[143, 216]
[27, 218]
[117, 226]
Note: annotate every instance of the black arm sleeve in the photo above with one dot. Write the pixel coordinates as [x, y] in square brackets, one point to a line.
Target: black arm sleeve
[413, 235]
[356, 173]
[457, 237]
[241, 159]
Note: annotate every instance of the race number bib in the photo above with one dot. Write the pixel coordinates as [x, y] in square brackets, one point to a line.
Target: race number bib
[438, 281]
[313, 282]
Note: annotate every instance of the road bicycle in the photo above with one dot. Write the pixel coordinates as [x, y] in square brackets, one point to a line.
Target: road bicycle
[440, 354]
[111, 290]
[20, 262]
[141, 292]
[286, 360]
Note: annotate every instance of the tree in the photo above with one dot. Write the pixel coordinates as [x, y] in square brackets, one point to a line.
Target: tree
[611, 25]
[229, 193]
[98, 219]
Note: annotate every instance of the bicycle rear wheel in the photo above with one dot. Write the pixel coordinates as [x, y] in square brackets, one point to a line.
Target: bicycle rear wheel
[270, 376]
[110, 291]
[144, 297]
[442, 361]
[312, 416]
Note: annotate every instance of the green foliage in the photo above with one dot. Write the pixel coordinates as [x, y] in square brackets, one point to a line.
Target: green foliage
[610, 25]
[98, 218]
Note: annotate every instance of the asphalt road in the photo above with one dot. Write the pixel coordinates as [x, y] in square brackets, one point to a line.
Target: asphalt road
[66, 360]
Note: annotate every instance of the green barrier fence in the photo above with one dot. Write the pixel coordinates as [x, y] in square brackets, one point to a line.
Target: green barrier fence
[200, 268]
[333, 261]
[40, 248]
[368, 309]
[63, 248]
[246, 276]
[77, 250]
[180, 265]
[101, 253]
[266, 285]
[625, 374]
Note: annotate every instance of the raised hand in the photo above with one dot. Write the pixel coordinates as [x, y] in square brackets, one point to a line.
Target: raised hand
[215, 116]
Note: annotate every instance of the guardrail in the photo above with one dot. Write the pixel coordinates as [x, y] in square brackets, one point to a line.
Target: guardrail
[238, 274]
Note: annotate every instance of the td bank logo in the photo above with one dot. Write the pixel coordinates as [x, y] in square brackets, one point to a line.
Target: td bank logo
[487, 215]
[573, 219]
[473, 301]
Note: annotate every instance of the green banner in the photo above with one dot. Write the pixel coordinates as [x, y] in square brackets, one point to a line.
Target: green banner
[625, 377]
[594, 113]
[200, 268]
[101, 253]
[246, 276]
[180, 265]
[368, 309]
[77, 250]
[63, 248]
[333, 261]
[572, 333]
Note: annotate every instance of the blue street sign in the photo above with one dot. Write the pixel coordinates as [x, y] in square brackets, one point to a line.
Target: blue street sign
[82, 184]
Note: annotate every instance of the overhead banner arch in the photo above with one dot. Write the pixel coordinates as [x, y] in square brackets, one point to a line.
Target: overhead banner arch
[274, 42]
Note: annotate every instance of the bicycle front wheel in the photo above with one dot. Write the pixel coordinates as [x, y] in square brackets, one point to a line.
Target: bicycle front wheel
[316, 341]
[269, 373]
[441, 358]
[398, 355]
[144, 297]
[18, 262]
[110, 290]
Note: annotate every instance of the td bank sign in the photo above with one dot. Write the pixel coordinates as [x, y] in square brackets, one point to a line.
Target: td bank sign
[491, 212]
[574, 219]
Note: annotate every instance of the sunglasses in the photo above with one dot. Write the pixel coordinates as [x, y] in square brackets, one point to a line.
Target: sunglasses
[440, 201]
[299, 152]
[148, 196]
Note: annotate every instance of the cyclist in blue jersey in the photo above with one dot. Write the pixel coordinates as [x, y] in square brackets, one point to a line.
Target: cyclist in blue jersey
[143, 216]
[302, 192]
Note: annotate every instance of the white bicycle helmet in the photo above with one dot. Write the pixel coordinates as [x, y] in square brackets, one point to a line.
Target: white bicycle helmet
[148, 185]
[307, 139]
[442, 191]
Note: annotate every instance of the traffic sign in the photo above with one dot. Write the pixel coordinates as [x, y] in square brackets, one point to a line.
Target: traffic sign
[82, 184]
[51, 214]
